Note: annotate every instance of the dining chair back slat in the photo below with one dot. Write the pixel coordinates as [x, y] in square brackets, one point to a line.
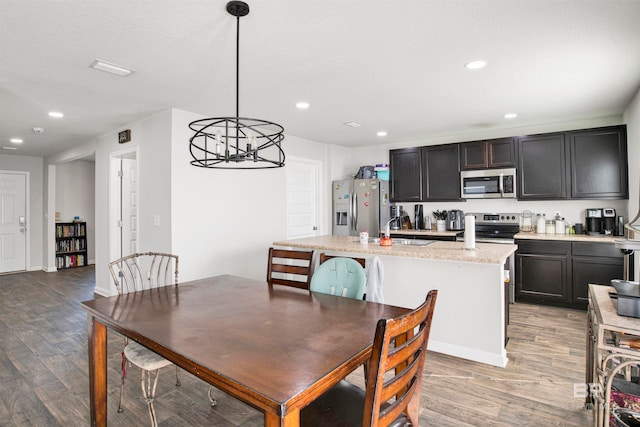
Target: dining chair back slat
[400, 346]
[145, 270]
[393, 379]
[289, 268]
[324, 257]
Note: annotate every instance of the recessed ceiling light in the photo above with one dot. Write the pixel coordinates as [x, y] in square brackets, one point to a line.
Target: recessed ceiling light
[9, 148]
[16, 140]
[510, 116]
[382, 133]
[475, 65]
[56, 114]
[302, 105]
[353, 124]
[108, 67]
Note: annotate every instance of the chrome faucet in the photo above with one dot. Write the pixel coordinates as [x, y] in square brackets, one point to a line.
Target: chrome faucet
[387, 228]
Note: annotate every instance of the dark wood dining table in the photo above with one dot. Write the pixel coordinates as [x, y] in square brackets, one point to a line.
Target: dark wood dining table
[274, 348]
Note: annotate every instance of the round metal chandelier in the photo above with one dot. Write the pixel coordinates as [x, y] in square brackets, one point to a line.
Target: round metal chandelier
[236, 142]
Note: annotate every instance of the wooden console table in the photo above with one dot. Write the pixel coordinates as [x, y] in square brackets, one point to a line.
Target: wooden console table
[606, 359]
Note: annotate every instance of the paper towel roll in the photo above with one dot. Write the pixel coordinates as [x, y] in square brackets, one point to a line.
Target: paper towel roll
[469, 232]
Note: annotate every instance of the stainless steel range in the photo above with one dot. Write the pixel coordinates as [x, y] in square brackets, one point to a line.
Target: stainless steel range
[496, 227]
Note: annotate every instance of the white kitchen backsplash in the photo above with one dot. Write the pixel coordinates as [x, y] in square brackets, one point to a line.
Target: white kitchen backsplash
[572, 210]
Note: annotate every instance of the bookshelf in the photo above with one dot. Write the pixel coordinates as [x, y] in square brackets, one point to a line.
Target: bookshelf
[71, 245]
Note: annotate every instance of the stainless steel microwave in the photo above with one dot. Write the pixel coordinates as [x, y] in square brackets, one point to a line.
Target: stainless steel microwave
[488, 184]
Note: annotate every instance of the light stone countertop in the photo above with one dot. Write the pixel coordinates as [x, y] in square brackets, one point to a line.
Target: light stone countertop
[568, 237]
[487, 253]
[608, 309]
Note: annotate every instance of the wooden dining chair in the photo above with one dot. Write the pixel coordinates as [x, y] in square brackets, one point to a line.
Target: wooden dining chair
[289, 268]
[324, 257]
[339, 276]
[137, 272]
[394, 378]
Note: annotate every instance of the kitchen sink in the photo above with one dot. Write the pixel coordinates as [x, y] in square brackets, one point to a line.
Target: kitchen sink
[396, 241]
[412, 242]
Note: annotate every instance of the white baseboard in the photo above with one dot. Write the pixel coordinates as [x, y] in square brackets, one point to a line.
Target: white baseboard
[499, 360]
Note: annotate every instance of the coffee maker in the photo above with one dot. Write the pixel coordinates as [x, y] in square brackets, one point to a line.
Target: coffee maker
[418, 217]
[609, 221]
[593, 219]
[396, 217]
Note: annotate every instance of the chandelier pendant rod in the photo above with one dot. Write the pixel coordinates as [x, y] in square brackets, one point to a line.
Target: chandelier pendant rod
[237, 84]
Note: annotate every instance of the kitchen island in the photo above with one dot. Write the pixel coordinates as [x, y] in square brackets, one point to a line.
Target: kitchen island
[471, 314]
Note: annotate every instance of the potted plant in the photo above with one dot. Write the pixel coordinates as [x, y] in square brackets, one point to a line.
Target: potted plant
[441, 220]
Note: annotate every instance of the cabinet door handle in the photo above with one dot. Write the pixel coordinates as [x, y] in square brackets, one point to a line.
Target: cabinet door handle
[354, 201]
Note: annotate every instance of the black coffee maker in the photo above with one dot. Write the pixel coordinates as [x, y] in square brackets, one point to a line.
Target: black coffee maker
[418, 217]
[396, 217]
[609, 222]
[593, 218]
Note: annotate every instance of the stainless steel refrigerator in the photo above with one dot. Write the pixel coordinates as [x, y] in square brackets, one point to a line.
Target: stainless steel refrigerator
[360, 205]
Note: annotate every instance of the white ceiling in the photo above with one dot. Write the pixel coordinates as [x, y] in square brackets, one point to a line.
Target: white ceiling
[389, 65]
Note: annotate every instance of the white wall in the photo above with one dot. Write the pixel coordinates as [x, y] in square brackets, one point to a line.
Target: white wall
[152, 137]
[33, 165]
[154, 186]
[49, 224]
[75, 196]
[632, 118]
[224, 221]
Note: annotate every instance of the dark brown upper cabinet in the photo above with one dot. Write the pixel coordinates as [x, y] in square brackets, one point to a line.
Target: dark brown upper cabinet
[543, 167]
[441, 172]
[493, 153]
[425, 173]
[599, 166]
[406, 174]
[584, 164]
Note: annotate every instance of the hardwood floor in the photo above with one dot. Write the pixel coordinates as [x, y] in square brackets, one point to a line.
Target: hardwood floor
[43, 369]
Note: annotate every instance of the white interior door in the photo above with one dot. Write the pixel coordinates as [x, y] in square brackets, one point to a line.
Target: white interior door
[123, 209]
[129, 206]
[303, 201]
[13, 224]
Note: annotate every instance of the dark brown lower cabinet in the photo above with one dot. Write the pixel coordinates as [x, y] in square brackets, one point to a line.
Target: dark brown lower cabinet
[595, 263]
[542, 271]
[559, 273]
